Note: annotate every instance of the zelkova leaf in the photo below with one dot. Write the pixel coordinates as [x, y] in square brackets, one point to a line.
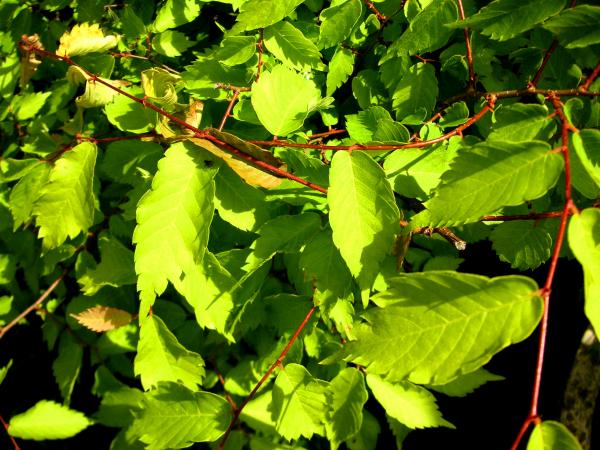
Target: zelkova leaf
[172, 416]
[67, 365]
[490, 175]
[291, 47]
[26, 192]
[411, 405]
[161, 357]
[416, 92]
[103, 318]
[48, 420]
[173, 218]
[525, 244]
[364, 216]
[432, 327]
[504, 19]
[585, 144]
[85, 38]
[552, 435]
[283, 99]
[584, 240]
[337, 22]
[427, 31]
[174, 13]
[262, 13]
[65, 207]
[340, 69]
[576, 27]
[299, 403]
[347, 395]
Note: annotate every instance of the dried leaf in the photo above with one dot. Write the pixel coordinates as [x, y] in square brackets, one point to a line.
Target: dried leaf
[85, 38]
[103, 318]
[29, 60]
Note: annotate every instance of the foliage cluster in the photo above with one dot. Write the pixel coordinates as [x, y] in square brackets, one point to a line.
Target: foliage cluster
[246, 217]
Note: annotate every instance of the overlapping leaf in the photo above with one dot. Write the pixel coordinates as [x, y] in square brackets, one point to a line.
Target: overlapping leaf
[576, 27]
[432, 327]
[291, 47]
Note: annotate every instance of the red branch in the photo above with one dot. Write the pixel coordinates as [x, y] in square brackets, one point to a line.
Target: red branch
[229, 108]
[568, 208]
[530, 216]
[277, 363]
[472, 81]
[12, 439]
[377, 13]
[259, 46]
[34, 305]
[491, 101]
[589, 80]
[540, 71]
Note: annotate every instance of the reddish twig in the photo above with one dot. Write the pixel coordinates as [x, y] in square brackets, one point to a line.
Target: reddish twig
[377, 13]
[325, 134]
[540, 71]
[229, 108]
[228, 396]
[471, 89]
[230, 87]
[117, 138]
[265, 377]
[530, 216]
[34, 305]
[358, 147]
[568, 208]
[589, 80]
[12, 439]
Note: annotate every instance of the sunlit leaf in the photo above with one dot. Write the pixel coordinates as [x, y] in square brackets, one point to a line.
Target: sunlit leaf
[85, 38]
[103, 318]
[48, 420]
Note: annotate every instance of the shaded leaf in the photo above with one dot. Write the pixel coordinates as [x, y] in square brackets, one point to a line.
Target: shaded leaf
[576, 27]
[337, 22]
[524, 244]
[416, 92]
[67, 365]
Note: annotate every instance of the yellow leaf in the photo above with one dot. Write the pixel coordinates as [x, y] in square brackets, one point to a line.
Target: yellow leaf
[103, 318]
[85, 38]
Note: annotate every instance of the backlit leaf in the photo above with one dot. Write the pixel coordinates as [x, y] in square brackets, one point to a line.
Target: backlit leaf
[161, 357]
[411, 405]
[552, 435]
[289, 45]
[48, 420]
[489, 175]
[337, 22]
[416, 92]
[172, 416]
[85, 38]
[174, 13]
[65, 207]
[340, 69]
[524, 244]
[262, 13]
[584, 240]
[432, 327]
[103, 318]
[364, 216]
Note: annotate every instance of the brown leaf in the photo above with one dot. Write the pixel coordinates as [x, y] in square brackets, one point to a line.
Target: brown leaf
[103, 318]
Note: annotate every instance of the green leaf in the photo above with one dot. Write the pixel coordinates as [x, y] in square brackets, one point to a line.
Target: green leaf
[427, 31]
[85, 38]
[347, 395]
[66, 204]
[47, 420]
[4, 370]
[116, 267]
[171, 43]
[283, 234]
[552, 435]
[161, 357]
[415, 172]
[366, 439]
[26, 192]
[174, 13]
[576, 27]
[432, 327]
[364, 216]
[490, 175]
[128, 115]
[504, 19]
[117, 407]
[340, 69]
[524, 244]
[299, 403]
[584, 240]
[466, 384]
[30, 104]
[122, 159]
[416, 92]
[67, 366]
[283, 99]
[521, 122]
[337, 22]
[238, 203]
[363, 126]
[262, 13]
[160, 85]
[174, 218]
[585, 143]
[289, 45]
[408, 403]
[236, 50]
[172, 416]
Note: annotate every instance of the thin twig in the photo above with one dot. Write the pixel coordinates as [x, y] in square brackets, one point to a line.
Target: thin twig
[568, 208]
[34, 305]
[472, 82]
[589, 80]
[377, 13]
[12, 439]
[530, 216]
[228, 110]
[265, 377]
[540, 71]
[259, 46]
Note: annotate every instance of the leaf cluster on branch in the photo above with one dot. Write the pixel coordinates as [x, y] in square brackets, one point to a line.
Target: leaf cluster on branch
[245, 219]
